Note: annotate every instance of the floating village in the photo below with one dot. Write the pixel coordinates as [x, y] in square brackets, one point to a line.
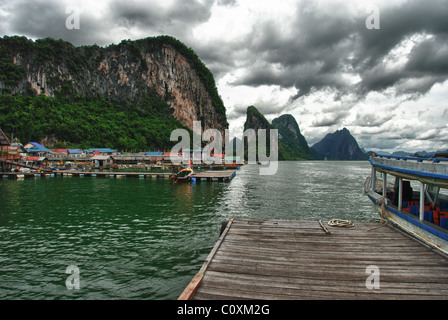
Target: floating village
[33, 160]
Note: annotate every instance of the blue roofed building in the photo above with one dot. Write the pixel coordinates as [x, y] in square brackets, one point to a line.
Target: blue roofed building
[75, 151]
[36, 148]
[154, 153]
[101, 150]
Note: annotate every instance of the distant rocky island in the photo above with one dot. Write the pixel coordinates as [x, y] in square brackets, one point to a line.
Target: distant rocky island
[340, 145]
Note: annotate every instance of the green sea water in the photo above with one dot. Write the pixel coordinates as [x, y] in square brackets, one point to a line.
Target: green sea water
[136, 238]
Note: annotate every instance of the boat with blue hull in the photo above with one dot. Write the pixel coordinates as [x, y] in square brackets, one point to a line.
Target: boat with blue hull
[411, 193]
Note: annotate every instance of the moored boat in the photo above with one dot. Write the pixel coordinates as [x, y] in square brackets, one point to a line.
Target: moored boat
[412, 194]
[183, 174]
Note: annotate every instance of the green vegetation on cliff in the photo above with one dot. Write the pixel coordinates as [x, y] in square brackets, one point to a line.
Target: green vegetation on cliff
[294, 145]
[85, 123]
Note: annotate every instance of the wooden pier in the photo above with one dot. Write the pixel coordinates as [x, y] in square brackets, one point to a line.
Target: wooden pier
[28, 175]
[218, 175]
[289, 260]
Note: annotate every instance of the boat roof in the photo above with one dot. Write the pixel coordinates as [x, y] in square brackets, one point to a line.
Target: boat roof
[427, 170]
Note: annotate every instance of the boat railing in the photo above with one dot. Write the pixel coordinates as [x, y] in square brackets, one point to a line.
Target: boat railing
[413, 158]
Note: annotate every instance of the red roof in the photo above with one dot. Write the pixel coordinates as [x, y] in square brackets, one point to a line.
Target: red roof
[60, 150]
[33, 158]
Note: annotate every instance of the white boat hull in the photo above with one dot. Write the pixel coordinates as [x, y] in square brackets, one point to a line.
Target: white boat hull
[430, 235]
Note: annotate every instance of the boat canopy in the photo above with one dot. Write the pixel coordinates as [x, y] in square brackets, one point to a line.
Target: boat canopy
[431, 172]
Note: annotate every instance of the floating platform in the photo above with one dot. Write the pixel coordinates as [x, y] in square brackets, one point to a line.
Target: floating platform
[224, 175]
[81, 174]
[288, 260]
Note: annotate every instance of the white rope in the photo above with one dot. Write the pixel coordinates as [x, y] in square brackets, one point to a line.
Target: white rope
[341, 223]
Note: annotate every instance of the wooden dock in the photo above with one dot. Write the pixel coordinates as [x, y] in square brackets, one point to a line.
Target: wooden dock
[218, 175]
[289, 260]
[73, 173]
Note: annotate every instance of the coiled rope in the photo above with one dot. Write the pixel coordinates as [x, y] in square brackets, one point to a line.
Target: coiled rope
[341, 223]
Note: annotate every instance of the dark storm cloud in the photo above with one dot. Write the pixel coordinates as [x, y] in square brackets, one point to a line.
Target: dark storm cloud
[318, 48]
[322, 46]
[430, 56]
[47, 18]
[177, 19]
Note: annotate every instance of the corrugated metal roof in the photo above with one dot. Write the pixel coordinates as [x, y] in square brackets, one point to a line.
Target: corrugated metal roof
[74, 151]
[104, 150]
[154, 153]
[100, 157]
[38, 148]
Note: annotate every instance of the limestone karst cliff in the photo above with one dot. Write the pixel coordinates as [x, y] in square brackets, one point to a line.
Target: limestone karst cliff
[127, 73]
[291, 143]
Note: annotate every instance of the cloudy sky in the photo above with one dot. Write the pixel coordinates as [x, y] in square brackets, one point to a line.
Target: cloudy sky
[377, 67]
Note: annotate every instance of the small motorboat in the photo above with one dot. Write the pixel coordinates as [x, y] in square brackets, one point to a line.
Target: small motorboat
[183, 174]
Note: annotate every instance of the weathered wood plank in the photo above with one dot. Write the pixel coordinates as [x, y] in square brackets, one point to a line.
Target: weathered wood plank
[261, 293]
[278, 286]
[279, 280]
[323, 274]
[332, 259]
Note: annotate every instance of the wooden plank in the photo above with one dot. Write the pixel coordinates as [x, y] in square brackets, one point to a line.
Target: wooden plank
[266, 290]
[279, 284]
[196, 281]
[191, 288]
[330, 257]
[279, 280]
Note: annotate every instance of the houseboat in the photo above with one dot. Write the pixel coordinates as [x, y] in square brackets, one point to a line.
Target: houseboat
[412, 194]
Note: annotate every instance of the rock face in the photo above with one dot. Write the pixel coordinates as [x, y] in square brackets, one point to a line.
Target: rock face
[340, 145]
[255, 120]
[128, 72]
[289, 134]
[291, 145]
